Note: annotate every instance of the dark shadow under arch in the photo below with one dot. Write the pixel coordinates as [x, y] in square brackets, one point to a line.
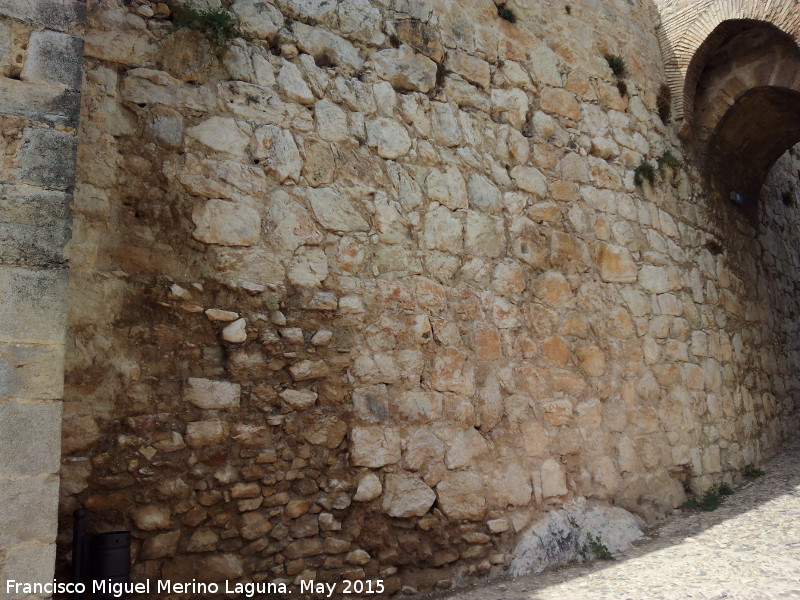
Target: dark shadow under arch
[760, 126]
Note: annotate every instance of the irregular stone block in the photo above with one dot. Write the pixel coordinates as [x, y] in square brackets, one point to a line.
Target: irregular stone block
[54, 57]
[46, 158]
[405, 69]
[226, 223]
[461, 496]
[212, 395]
[59, 15]
[374, 446]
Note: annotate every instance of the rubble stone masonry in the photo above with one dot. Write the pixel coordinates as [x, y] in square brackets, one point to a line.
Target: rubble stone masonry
[371, 293]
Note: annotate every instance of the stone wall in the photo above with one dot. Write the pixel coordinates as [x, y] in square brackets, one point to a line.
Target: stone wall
[373, 290]
[40, 77]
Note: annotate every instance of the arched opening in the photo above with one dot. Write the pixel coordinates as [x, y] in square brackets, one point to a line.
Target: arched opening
[762, 124]
[745, 84]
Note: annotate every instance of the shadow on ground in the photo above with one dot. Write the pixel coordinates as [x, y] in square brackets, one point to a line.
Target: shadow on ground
[755, 534]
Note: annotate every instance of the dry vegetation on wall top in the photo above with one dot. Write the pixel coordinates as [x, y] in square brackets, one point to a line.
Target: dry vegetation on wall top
[376, 293]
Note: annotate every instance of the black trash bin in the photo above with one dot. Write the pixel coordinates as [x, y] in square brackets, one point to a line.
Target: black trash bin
[109, 561]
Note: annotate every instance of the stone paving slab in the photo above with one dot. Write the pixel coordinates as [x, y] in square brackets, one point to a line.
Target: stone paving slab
[748, 549]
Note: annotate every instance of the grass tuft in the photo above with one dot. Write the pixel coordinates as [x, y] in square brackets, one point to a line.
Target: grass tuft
[645, 170]
[622, 87]
[599, 549]
[506, 13]
[617, 64]
[217, 24]
[711, 499]
[668, 159]
[753, 472]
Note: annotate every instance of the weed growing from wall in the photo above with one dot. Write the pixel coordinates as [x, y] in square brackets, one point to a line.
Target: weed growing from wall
[668, 160]
[506, 13]
[711, 499]
[617, 65]
[645, 170]
[217, 24]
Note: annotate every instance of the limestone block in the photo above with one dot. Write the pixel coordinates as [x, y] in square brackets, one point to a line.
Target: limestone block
[460, 495]
[254, 525]
[165, 126]
[31, 372]
[447, 188]
[205, 433]
[422, 448]
[331, 121]
[33, 305]
[418, 406]
[530, 179]
[28, 563]
[322, 44]
[46, 158]
[374, 446]
[53, 57]
[543, 65]
[24, 497]
[552, 288]
[152, 517]
[51, 105]
[226, 223]
[309, 369]
[222, 179]
[616, 264]
[654, 279]
[484, 235]
[220, 567]
[257, 18]
[405, 69]
[299, 399]
[203, 540]
[126, 47]
[291, 83]
[444, 124]
[452, 372]
[290, 224]
[308, 268]
[554, 480]
[406, 496]
[221, 134]
[569, 252]
[60, 16]
[469, 67]
[360, 20]
[511, 104]
[278, 151]
[236, 332]
[443, 230]
[335, 212]
[388, 137]
[369, 487]
[327, 431]
[147, 86]
[464, 448]
[210, 394]
[23, 422]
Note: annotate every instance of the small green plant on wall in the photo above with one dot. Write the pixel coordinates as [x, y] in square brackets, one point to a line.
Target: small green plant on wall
[711, 499]
[788, 196]
[668, 160]
[753, 472]
[216, 24]
[506, 13]
[598, 548]
[617, 65]
[645, 170]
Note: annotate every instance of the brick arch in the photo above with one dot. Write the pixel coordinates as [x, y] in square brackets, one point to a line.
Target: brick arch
[686, 31]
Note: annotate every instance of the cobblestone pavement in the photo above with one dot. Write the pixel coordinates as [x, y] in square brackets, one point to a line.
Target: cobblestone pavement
[749, 549]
